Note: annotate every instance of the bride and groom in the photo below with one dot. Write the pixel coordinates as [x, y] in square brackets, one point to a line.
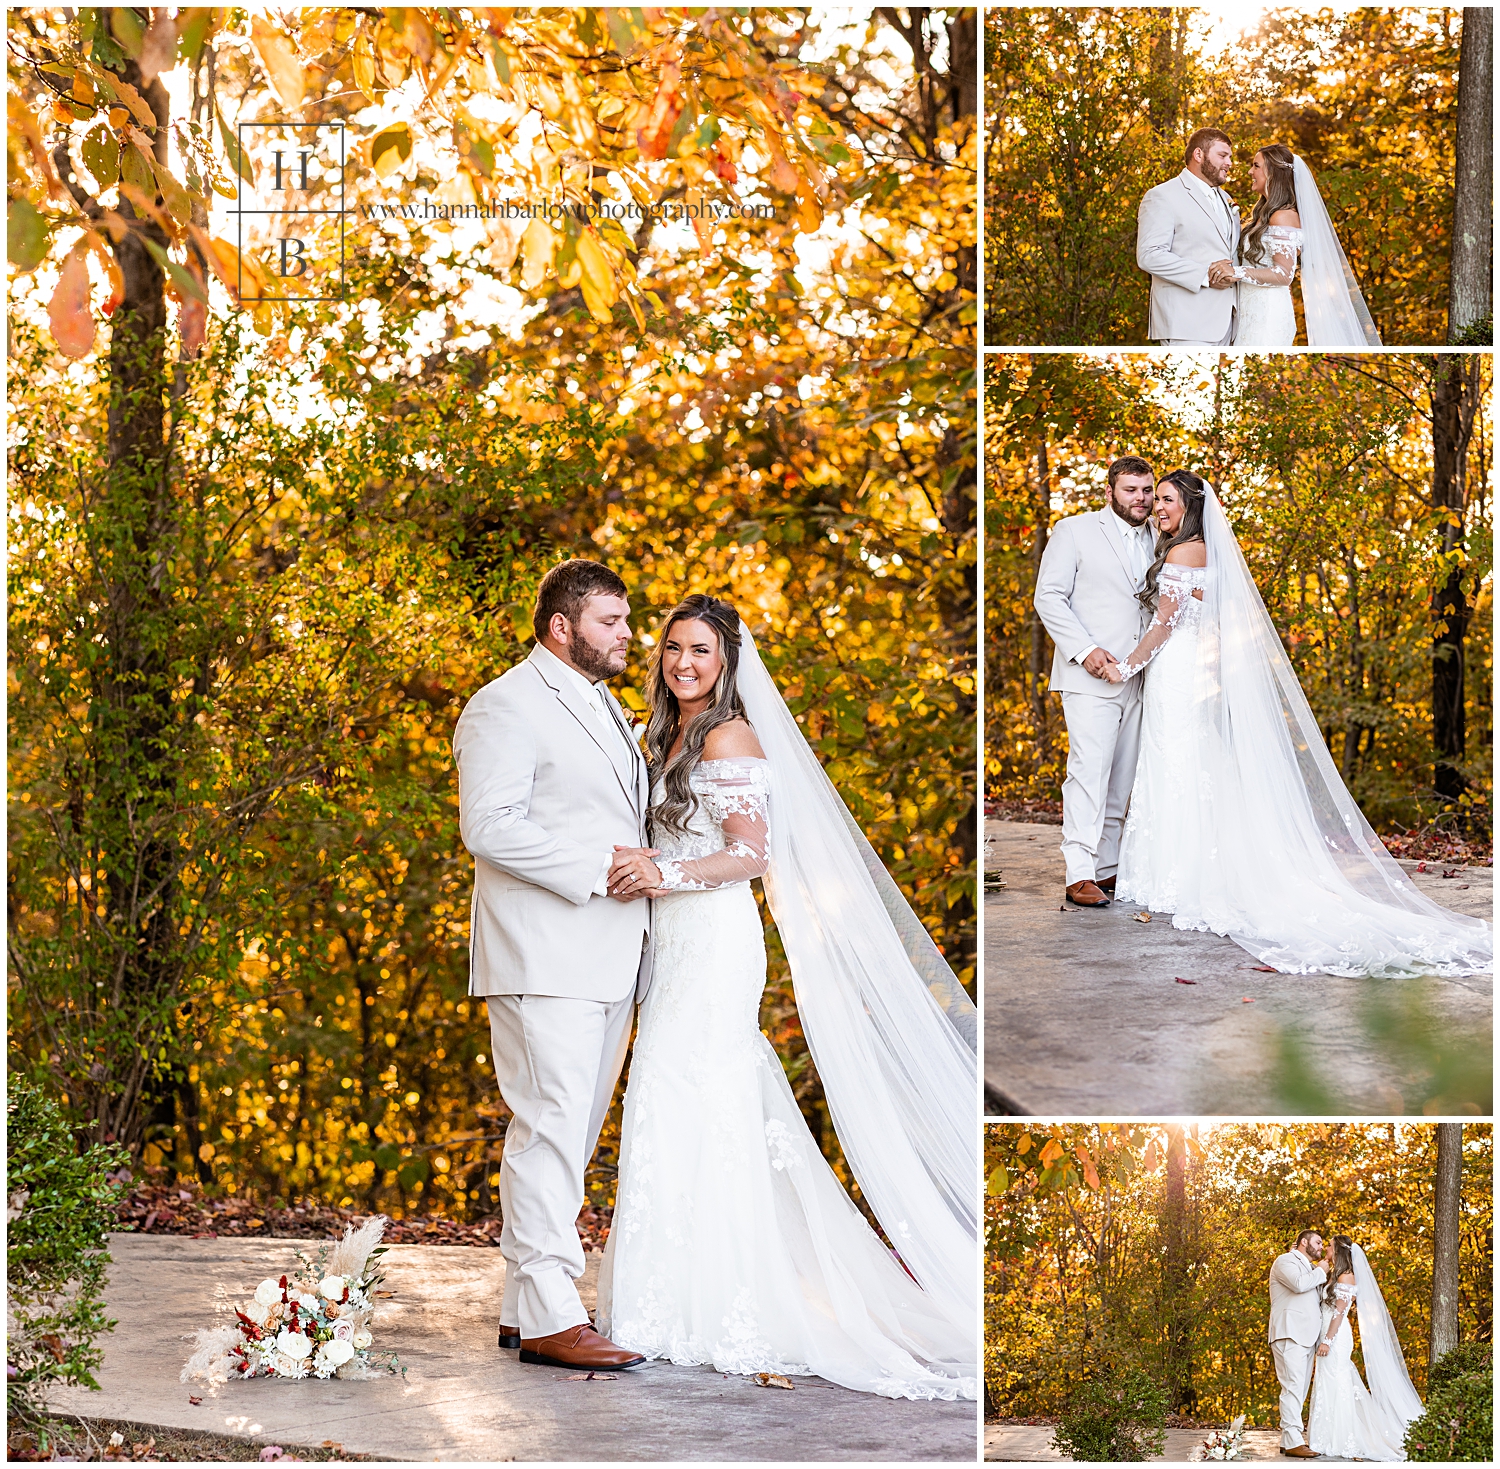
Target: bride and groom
[1198, 781]
[606, 879]
[1316, 1289]
[1214, 284]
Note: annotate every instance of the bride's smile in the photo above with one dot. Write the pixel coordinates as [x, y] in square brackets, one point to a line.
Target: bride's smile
[691, 664]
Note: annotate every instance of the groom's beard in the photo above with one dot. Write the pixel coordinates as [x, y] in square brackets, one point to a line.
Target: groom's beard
[592, 662]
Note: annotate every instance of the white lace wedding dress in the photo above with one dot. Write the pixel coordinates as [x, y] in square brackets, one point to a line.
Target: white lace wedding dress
[1266, 316]
[1343, 1421]
[1238, 821]
[733, 1243]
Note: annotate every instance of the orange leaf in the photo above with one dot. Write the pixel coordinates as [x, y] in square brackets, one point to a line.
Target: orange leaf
[1052, 1152]
[280, 59]
[600, 290]
[68, 312]
[666, 107]
[112, 270]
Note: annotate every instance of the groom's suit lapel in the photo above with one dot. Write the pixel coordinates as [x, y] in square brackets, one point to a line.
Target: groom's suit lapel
[1222, 223]
[1112, 536]
[620, 752]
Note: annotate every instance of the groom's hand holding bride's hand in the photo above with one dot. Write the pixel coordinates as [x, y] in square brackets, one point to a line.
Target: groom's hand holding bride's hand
[1221, 274]
[1099, 664]
[632, 874]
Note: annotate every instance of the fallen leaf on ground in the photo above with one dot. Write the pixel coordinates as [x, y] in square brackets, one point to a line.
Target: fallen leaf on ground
[1143, 918]
[773, 1379]
[592, 1377]
[1246, 1000]
[1452, 871]
[196, 1402]
[1186, 981]
[1421, 867]
[1263, 968]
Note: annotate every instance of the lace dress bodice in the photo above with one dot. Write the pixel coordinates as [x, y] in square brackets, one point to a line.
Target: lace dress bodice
[1334, 1317]
[728, 836]
[1177, 610]
[1275, 262]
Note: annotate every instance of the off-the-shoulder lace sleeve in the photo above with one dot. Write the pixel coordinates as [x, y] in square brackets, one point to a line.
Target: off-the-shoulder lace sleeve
[1174, 586]
[737, 794]
[1281, 243]
[1343, 1298]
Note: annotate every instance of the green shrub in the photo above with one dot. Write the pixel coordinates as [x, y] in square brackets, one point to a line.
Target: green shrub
[59, 1209]
[1462, 1360]
[1120, 1415]
[1459, 1424]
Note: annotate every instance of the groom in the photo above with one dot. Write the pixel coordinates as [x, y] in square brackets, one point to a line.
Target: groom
[1186, 233]
[551, 786]
[1086, 587]
[1296, 1325]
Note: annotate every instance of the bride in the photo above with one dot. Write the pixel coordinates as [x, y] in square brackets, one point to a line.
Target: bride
[733, 1243]
[1238, 822]
[1345, 1420]
[1289, 218]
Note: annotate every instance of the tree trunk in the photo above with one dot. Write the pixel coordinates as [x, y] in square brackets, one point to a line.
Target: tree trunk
[1038, 632]
[1165, 92]
[1450, 1148]
[1176, 1277]
[1470, 277]
[1455, 402]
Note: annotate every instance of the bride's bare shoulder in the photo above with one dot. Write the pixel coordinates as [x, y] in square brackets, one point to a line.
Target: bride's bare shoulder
[1190, 553]
[1347, 1278]
[1288, 217]
[726, 741]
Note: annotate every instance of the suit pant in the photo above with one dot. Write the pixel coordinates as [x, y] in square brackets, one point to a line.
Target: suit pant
[557, 1061]
[1104, 739]
[1294, 1368]
[1227, 340]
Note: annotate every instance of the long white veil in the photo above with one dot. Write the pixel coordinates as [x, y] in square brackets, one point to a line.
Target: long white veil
[1391, 1392]
[1331, 300]
[891, 1031]
[1294, 872]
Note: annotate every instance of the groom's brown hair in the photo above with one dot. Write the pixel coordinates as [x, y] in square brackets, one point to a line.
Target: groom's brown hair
[1129, 464]
[1306, 1234]
[1202, 139]
[567, 587]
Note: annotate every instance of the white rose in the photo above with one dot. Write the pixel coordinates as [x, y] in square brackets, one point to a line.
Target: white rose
[267, 1292]
[256, 1312]
[293, 1344]
[336, 1351]
[362, 1339]
[289, 1366]
[343, 1331]
[332, 1289]
[307, 1302]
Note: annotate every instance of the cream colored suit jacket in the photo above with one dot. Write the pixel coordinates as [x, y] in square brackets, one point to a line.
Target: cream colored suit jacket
[1085, 593]
[1295, 1312]
[1178, 236]
[545, 789]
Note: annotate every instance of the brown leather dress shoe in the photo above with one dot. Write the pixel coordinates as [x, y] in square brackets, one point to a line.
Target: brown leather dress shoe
[510, 1337]
[578, 1346]
[1301, 1452]
[1105, 885]
[1086, 894]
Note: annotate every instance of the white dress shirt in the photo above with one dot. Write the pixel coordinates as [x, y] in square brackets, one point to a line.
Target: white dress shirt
[593, 694]
[1140, 550]
[1215, 200]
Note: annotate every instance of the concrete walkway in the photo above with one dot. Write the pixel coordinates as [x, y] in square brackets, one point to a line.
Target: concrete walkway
[1034, 1445]
[1083, 1015]
[462, 1399]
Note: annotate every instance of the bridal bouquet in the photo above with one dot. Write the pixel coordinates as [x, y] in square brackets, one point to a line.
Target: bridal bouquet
[315, 1323]
[1224, 1444]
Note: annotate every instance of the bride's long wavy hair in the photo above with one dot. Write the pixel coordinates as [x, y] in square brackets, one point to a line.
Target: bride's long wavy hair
[1194, 495]
[1343, 1264]
[1280, 194]
[678, 801]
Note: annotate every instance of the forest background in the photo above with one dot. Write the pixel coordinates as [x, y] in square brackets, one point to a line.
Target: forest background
[1086, 109]
[1360, 491]
[262, 551]
[1120, 1245]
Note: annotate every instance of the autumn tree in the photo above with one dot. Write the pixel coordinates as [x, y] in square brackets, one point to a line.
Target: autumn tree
[1470, 290]
[1446, 1209]
[712, 413]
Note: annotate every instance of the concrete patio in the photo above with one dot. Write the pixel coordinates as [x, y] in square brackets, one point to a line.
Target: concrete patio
[461, 1399]
[1083, 1014]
